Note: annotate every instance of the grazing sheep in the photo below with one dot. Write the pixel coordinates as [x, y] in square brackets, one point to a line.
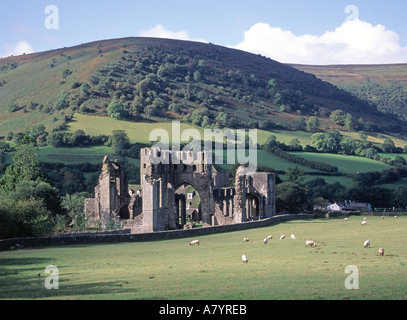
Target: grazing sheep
[382, 217]
[265, 240]
[247, 240]
[244, 259]
[292, 236]
[366, 244]
[309, 243]
[381, 251]
[346, 219]
[364, 219]
[282, 237]
[395, 217]
[270, 237]
[363, 223]
[194, 242]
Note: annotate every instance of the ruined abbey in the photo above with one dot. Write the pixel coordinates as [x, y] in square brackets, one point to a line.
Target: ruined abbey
[158, 207]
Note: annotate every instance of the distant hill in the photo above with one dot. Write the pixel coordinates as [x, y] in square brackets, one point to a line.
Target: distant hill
[151, 79]
[383, 86]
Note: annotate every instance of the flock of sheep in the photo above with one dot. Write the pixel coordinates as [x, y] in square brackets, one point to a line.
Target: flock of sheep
[308, 243]
[265, 241]
[367, 242]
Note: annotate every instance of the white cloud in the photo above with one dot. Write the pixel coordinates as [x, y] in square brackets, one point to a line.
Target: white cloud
[354, 42]
[19, 48]
[159, 31]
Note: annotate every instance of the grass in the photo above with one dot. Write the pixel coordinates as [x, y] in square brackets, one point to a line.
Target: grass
[94, 154]
[345, 164]
[136, 131]
[172, 269]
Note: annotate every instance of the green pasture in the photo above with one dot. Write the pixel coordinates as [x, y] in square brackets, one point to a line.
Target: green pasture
[136, 131]
[74, 155]
[172, 269]
[284, 136]
[392, 156]
[345, 164]
[140, 131]
[264, 158]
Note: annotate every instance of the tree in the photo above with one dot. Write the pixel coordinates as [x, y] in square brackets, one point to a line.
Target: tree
[350, 123]
[300, 124]
[388, 146]
[295, 175]
[197, 76]
[120, 141]
[290, 197]
[73, 204]
[116, 110]
[313, 124]
[25, 167]
[85, 87]
[27, 199]
[66, 73]
[56, 139]
[400, 197]
[62, 101]
[325, 142]
[295, 145]
[222, 119]
[337, 116]
[363, 135]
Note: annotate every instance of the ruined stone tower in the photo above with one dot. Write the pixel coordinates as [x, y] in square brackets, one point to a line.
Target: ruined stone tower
[162, 173]
[111, 194]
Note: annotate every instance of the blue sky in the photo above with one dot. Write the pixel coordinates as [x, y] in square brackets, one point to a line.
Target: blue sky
[312, 31]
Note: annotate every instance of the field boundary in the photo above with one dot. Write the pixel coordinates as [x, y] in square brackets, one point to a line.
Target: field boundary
[103, 238]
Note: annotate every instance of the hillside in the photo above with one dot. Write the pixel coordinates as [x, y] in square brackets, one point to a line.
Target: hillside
[382, 86]
[149, 79]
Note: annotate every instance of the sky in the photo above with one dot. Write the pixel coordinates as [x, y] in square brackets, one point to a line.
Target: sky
[313, 32]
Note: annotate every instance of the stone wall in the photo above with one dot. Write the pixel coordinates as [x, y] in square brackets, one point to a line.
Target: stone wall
[122, 236]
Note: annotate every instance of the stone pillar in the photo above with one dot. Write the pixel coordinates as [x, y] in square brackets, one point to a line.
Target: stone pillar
[183, 211]
[239, 201]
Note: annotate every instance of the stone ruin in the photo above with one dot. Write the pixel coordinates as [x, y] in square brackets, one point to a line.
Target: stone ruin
[157, 206]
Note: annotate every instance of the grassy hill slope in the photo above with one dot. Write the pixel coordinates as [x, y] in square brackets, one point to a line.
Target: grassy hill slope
[156, 79]
[383, 86]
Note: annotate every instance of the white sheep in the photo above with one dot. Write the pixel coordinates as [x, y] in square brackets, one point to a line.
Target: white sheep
[270, 237]
[247, 240]
[381, 251]
[266, 240]
[244, 259]
[364, 219]
[309, 243]
[292, 236]
[363, 223]
[382, 217]
[194, 242]
[366, 244]
[395, 217]
[346, 219]
[282, 237]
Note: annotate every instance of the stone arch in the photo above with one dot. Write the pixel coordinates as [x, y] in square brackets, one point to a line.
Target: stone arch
[180, 202]
[159, 209]
[253, 206]
[124, 212]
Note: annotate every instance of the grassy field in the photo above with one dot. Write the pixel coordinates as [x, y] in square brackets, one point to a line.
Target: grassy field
[172, 269]
[345, 164]
[94, 154]
[136, 131]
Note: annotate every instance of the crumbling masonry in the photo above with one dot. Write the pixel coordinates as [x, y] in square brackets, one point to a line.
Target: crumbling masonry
[157, 207]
